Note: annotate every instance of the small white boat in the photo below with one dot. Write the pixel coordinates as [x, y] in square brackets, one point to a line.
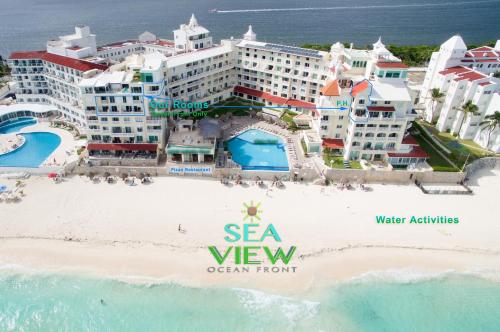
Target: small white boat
[213, 10]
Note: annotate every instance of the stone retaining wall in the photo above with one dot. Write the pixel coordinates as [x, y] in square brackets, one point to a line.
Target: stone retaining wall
[399, 177]
[483, 163]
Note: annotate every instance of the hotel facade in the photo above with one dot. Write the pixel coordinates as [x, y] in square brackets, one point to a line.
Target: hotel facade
[358, 101]
[463, 75]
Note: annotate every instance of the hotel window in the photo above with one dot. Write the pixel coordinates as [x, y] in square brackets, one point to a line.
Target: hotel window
[325, 118]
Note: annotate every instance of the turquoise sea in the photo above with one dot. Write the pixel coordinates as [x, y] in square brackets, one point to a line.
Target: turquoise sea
[65, 303]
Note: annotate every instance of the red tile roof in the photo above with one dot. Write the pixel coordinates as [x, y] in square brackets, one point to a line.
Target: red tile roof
[331, 89]
[261, 94]
[416, 152]
[399, 65]
[408, 139]
[482, 52]
[275, 99]
[362, 86]
[454, 70]
[471, 76]
[27, 55]
[122, 147]
[381, 109]
[300, 103]
[77, 64]
[332, 143]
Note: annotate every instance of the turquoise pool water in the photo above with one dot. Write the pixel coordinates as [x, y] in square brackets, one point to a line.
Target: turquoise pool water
[13, 126]
[257, 150]
[65, 303]
[37, 147]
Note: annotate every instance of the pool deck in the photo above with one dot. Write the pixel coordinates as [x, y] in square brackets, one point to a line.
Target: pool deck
[10, 142]
[65, 152]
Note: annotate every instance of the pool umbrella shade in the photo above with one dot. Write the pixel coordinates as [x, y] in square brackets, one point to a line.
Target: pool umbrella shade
[52, 175]
[2, 188]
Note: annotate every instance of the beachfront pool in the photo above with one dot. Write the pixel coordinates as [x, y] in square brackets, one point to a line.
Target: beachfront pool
[257, 150]
[37, 147]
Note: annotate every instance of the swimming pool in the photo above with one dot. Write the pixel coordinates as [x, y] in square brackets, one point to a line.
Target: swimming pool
[36, 148]
[13, 126]
[257, 150]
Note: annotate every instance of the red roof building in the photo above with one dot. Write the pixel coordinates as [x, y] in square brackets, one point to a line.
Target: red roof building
[416, 152]
[331, 143]
[77, 64]
[391, 65]
[332, 89]
[362, 86]
[381, 109]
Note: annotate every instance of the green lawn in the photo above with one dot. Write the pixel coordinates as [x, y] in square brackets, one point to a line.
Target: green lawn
[462, 151]
[437, 162]
[338, 161]
[287, 116]
[304, 146]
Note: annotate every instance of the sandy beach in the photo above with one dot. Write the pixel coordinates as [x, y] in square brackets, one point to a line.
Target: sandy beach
[131, 232]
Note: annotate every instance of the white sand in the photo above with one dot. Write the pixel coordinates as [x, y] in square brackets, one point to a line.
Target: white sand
[119, 231]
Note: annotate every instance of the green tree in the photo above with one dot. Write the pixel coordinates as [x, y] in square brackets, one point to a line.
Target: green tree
[468, 109]
[490, 123]
[436, 96]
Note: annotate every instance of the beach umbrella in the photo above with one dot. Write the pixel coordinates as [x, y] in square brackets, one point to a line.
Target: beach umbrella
[3, 188]
[52, 175]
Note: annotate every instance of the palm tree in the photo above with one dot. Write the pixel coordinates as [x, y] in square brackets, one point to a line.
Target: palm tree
[491, 122]
[468, 108]
[436, 96]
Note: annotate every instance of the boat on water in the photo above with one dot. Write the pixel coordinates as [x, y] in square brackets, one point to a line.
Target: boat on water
[214, 10]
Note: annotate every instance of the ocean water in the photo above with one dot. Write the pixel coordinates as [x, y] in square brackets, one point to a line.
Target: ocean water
[63, 303]
[28, 24]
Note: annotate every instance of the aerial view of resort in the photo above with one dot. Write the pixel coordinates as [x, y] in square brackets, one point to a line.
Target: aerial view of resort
[195, 165]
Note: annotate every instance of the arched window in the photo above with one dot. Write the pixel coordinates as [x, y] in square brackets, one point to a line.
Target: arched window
[381, 135]
[369, 135]
[393, 135]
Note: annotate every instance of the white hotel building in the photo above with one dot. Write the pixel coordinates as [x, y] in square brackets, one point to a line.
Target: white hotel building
[463, 75]
[107, 89]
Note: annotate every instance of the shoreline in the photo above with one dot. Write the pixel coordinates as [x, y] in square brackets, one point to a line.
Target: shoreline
[314, 273]
[97, 230]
